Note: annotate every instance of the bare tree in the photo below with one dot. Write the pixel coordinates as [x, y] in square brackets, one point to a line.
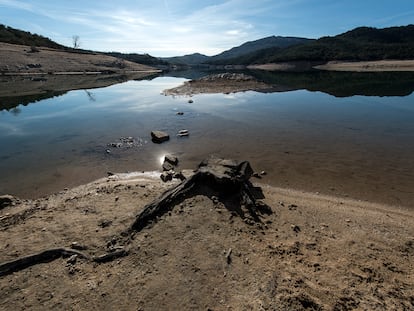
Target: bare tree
[76, 42]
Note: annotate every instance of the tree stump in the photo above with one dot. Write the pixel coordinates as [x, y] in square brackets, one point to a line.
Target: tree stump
[227, 177]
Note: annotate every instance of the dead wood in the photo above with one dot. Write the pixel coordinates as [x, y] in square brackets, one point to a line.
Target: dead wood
[53, 254]
[41, 257]
[227, 177]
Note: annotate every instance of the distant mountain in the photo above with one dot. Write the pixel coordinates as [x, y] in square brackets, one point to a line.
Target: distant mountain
[363, 43]
[144, 59]
[16, 36]
[191, 59]
[239, 51]
[257, 45]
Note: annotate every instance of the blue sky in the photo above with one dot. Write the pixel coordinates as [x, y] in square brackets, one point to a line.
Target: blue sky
[178, 27]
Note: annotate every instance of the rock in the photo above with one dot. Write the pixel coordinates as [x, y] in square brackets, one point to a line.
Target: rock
[169, 163]
[167, 166]
[292, 207]
[295, 228]
[159, 137]
[183, 133]
[228, 256]
[104, 223]
[257, 175]
[127, 142]
[215, 199]
[33, 66]
[115, 145]
[190, 101]
[171, 159]
[180, 113]
[167, 176]
[7, 200]
[72, 259]
[179, 176]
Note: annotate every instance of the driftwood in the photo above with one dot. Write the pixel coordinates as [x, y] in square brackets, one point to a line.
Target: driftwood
[53, 254]
[226, 177]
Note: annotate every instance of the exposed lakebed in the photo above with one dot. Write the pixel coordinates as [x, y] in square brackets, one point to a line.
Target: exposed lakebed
[337, 133]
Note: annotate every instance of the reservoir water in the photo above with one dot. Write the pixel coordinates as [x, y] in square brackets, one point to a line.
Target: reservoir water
[344, 134]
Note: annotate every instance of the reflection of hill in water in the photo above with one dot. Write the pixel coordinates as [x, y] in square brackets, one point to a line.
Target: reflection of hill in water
[23, 90]
[342, 84]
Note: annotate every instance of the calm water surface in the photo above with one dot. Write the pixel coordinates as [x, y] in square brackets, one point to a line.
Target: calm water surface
[358, 146]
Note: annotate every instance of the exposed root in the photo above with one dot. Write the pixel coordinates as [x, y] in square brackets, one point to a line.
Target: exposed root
[42, 257]
[226, 178]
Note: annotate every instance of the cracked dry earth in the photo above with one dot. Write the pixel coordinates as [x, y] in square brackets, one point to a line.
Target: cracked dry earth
[312, 253]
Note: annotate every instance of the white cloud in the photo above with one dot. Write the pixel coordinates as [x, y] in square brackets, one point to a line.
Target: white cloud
[164, 30]
[16, 4]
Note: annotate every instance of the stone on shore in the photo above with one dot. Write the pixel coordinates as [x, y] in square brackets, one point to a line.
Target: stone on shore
[170, 162]
[159, 137]
[171, 159]
[167, 166]
[7, 200]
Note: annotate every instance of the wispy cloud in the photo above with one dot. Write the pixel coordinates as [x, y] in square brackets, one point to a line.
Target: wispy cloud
[208, 29]
[172, 27]
[16, 4]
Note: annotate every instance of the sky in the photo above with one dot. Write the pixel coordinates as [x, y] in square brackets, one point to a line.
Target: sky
[164, 28]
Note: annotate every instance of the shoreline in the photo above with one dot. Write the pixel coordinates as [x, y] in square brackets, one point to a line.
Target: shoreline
[357, 66]
[154, 176]
[69, 73]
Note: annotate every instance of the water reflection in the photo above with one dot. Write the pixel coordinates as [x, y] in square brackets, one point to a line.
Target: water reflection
[15, 91]
[343, 84]
[362, 146]
[23, 90]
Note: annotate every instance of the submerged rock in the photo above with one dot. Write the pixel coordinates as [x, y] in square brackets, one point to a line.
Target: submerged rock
[183, 133]
[159, 137]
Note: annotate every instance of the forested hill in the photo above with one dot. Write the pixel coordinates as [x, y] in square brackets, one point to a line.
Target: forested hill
[16, 36]
[20, 37]
[363, 43]
[275, 42]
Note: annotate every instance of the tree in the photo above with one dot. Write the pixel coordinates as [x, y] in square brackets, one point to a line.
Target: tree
[76, 42]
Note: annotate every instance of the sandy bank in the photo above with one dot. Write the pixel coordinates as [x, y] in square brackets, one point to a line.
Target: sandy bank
[313, 253]
[19, 59]
[219, 83]
[374, 66]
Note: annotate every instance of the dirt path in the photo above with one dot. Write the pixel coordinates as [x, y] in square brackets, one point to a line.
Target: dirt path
[313, 253]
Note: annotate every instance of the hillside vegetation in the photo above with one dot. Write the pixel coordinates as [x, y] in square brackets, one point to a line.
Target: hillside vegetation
[360, 44]
[190, 59]
[144, 59]
[16, 36]
[252, 47]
